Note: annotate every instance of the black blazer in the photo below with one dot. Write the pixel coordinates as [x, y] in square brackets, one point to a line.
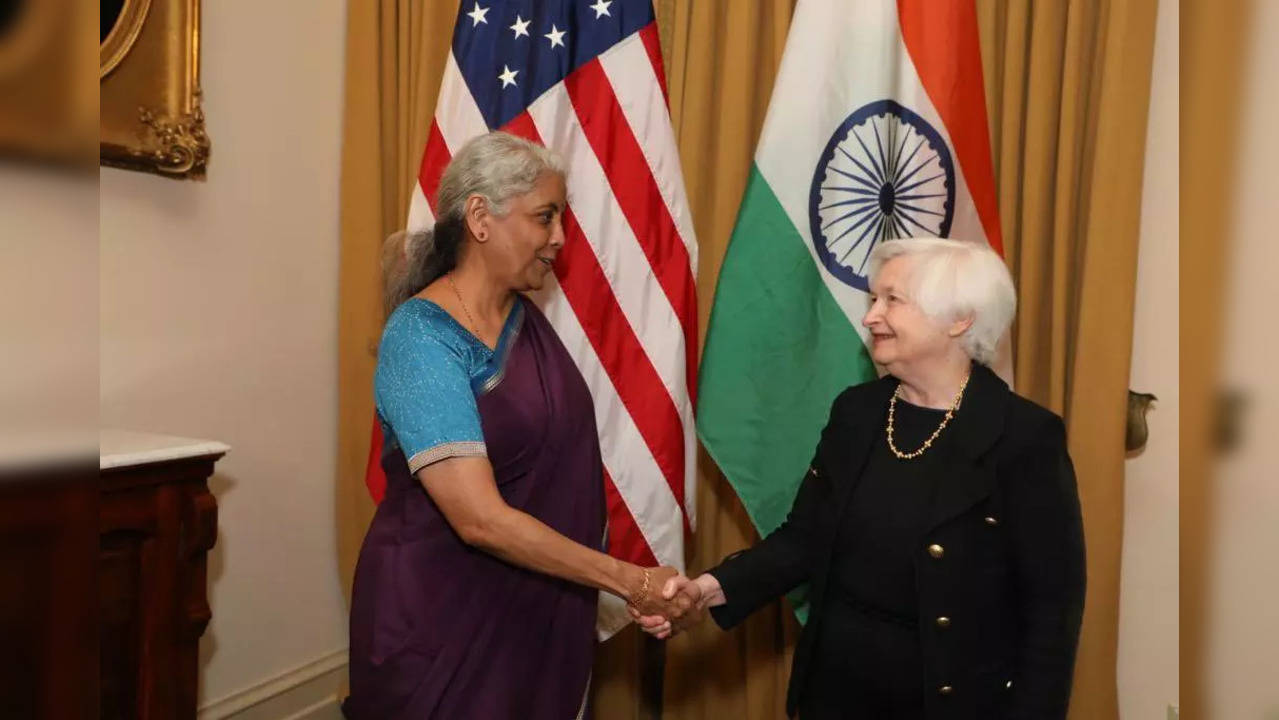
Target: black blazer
[1000, 572]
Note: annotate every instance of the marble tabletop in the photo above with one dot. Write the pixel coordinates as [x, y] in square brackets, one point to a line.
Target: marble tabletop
[126, 448]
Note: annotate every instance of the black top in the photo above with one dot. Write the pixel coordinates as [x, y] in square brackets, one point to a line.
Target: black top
[871, 650]
[873, 565]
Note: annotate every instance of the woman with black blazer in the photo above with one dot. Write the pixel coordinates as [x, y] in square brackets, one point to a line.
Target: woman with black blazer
[938, 526]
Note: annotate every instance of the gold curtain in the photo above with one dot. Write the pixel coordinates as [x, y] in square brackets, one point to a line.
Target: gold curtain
[1068, 85]
[1067, 89]
[394, 61]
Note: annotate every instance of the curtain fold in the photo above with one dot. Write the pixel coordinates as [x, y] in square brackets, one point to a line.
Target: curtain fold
[1068, 86]
[395, 55]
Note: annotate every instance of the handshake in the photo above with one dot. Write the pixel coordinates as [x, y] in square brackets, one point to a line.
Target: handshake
[678, 603]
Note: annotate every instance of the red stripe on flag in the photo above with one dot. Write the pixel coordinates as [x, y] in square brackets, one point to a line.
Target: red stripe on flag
[943, 42]
[653, 46]
[636, 190]
[620, 352]
[434, 160]
[625, 540]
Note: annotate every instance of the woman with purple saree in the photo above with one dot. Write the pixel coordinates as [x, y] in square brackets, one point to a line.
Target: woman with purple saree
[476, 588]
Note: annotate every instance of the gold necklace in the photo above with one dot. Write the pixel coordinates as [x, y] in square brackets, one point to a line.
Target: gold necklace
[950, 413]
[475, 328]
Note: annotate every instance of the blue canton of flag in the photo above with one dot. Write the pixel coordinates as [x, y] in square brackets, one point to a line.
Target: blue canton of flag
[512, 52]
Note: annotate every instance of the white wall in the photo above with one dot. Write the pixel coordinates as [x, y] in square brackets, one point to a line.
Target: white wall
[219, 320]
[1243, 615]
[1148, 606]
[49, 358]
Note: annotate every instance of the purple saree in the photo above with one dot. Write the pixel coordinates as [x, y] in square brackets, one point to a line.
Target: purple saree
[443, 630]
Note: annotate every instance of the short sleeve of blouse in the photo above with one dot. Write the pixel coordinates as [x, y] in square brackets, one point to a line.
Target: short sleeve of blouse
[423, 389]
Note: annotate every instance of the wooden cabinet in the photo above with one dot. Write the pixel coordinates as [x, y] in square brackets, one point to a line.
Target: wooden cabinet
[48, 594]
[102, 582]
[157, 523]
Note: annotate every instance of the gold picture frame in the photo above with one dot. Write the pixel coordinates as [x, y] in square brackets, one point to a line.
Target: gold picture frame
[151, 116]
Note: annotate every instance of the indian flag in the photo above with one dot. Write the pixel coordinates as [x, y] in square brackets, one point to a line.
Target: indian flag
[876, 130]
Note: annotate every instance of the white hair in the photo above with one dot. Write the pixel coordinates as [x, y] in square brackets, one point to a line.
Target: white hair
[497, 166]
[956, 279]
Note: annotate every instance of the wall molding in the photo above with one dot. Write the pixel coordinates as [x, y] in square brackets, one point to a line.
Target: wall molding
[307, 692]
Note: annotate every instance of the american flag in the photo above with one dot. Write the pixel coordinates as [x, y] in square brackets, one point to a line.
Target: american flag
[585, 79]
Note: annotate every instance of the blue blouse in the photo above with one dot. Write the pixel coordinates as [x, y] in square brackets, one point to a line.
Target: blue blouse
[430, 370]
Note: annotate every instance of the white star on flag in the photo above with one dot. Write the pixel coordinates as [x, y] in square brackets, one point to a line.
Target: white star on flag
[508, 76]
[601, 8]
[477, 15]
[520, 27]
[556, 36]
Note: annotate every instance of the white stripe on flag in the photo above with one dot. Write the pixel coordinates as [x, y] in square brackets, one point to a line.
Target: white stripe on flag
[456, 113]
[420, 215]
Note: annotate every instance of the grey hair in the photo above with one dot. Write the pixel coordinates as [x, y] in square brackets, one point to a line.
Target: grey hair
[497, 167]
[954, 279]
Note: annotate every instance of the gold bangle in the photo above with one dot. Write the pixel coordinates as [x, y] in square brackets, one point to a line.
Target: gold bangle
[642, 595]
